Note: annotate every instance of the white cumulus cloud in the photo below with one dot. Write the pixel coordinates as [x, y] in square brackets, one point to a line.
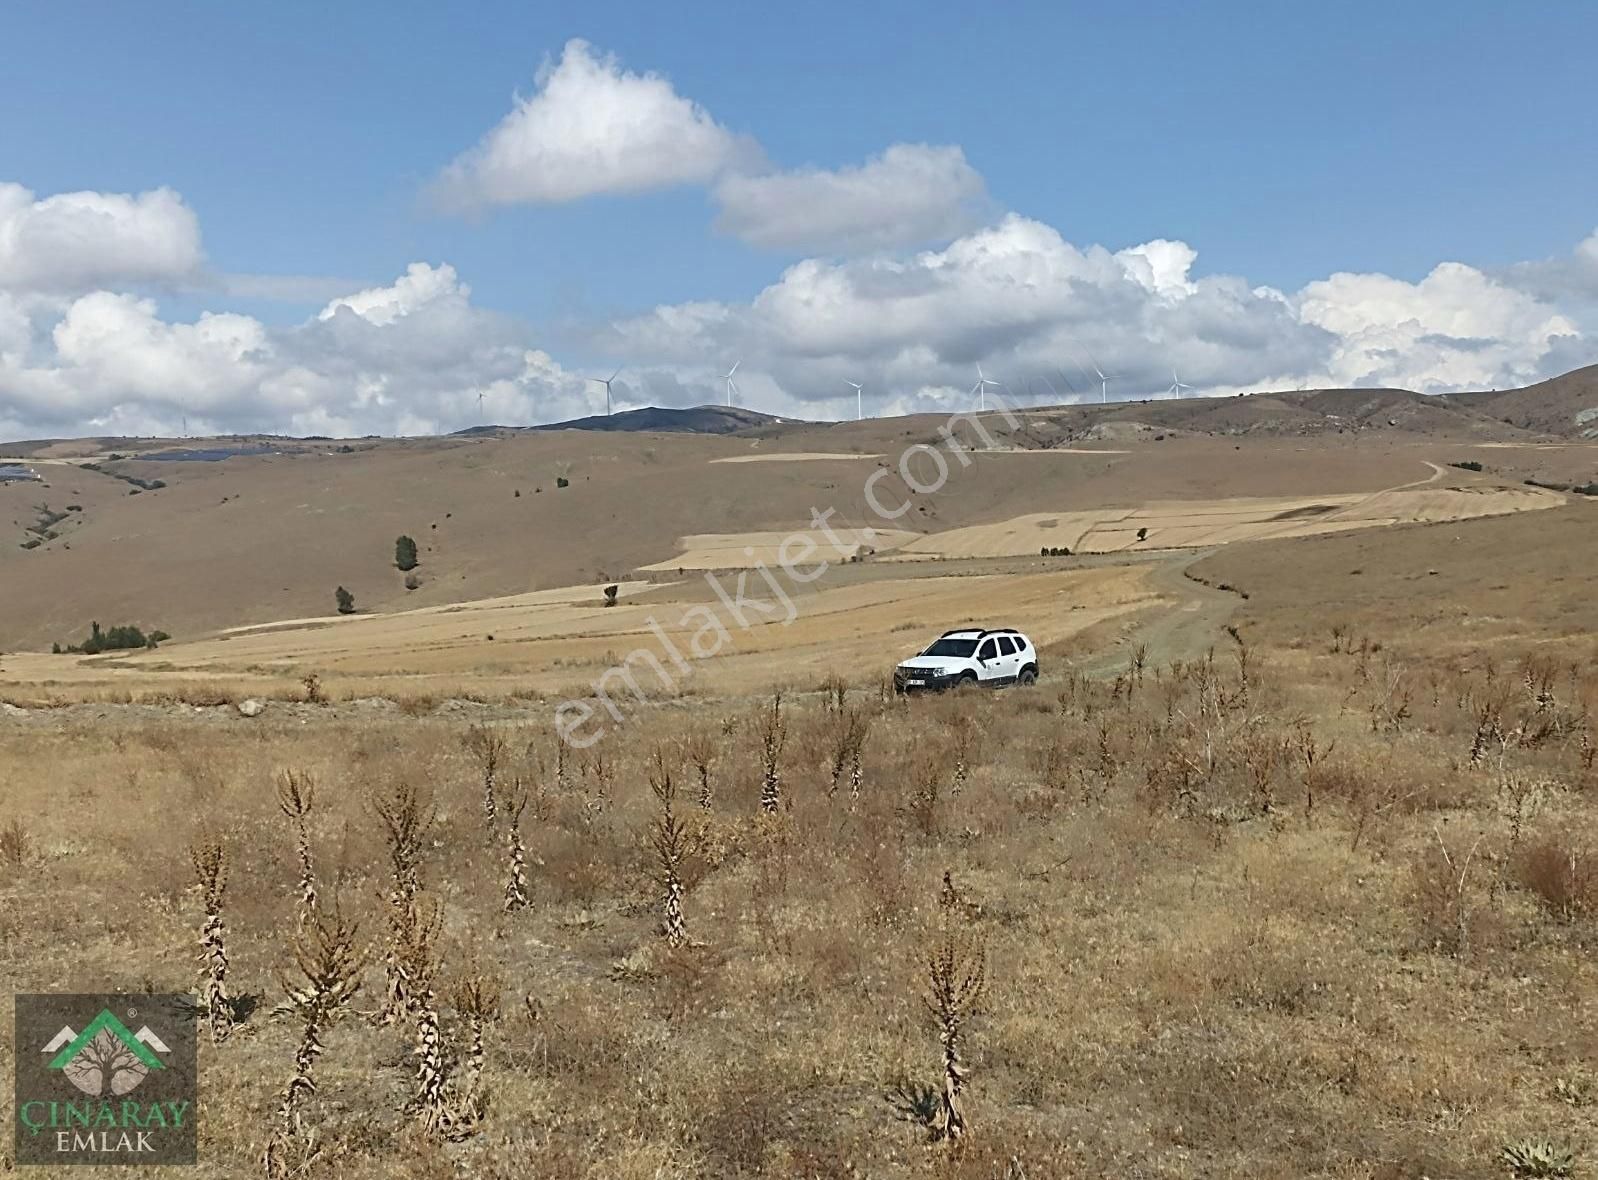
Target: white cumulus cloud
[1041, 313]
[1574, 277]
[1456, 328]
[76, 241]
[591, 127]
[1037, 311]
[409, 358]
[420, 285]
[910, 194]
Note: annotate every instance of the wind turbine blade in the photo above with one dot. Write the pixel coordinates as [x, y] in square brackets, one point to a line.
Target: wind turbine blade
[616, 374]
[734, 368]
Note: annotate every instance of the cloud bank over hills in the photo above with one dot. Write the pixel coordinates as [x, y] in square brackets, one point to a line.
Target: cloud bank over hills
[908, 276]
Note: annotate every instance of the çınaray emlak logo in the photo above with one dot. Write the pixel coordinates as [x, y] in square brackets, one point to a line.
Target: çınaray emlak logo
[105, 1079]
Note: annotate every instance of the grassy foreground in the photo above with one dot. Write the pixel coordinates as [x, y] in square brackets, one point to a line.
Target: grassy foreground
[1322, 910]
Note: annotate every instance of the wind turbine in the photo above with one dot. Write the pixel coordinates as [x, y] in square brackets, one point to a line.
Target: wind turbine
[859, 405]
[1104, 384]
[480, 407]
[732, 387]
[605, 381]
[981, 389]
[1176, 385]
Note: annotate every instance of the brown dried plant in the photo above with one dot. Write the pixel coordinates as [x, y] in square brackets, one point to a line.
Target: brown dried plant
[296, 793]
[329, 960]
[772, 727]
[489, 749]
[700, 749]
[476, 997]
[1446, 894]
[672, 841]
[850, 726]
[407, 817]
[515, 848]
[209, 858]
[415, 950]
[956, 981]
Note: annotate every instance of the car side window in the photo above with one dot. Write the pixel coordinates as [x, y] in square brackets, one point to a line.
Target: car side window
[987, 651]
[1006, 646]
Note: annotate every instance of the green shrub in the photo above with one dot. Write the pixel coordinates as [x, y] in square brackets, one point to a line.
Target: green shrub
[405, 554]
[345, 600]
[123, 638]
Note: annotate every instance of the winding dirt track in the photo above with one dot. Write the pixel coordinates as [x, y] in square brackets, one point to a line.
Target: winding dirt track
[1191, 619]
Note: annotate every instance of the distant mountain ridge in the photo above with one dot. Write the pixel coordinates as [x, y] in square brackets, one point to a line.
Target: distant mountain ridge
[1563, 407]
[660, 419]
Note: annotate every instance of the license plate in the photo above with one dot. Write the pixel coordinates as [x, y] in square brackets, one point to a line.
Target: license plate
[912, 680]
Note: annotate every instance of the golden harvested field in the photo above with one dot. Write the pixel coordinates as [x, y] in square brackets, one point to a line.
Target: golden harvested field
[791, 457]
[1200, 524]
[728, 551]
[559, 642]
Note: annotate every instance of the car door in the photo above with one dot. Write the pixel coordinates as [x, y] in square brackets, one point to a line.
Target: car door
[1024, 654]
[1009, 660]
[988, 661]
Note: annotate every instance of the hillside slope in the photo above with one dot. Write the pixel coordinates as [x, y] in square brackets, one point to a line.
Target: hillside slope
[1566, 405]
[265, 537]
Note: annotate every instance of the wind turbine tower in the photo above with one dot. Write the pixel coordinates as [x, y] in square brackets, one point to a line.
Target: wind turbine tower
[981, 389]
[605, 381]
[859, 404]
[1104, 385]
[732, 387]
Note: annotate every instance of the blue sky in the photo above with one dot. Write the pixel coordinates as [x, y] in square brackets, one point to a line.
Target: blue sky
[1283, 143]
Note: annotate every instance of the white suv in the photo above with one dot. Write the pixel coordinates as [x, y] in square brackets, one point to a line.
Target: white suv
[970, 655]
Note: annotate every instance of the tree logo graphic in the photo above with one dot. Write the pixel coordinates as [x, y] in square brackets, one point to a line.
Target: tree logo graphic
[105, 1058]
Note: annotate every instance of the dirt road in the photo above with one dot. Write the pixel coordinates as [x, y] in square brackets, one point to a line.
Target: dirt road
[1190, 619]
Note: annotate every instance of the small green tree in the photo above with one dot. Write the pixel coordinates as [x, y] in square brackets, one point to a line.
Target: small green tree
[346, 601]
[405, 554]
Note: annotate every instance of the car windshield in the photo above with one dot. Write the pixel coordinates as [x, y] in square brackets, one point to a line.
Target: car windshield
[959, 649]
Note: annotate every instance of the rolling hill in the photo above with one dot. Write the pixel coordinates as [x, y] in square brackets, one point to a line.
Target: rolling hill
[194, 547]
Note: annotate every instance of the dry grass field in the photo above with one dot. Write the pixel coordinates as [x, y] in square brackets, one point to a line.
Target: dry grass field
[1285, 867]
